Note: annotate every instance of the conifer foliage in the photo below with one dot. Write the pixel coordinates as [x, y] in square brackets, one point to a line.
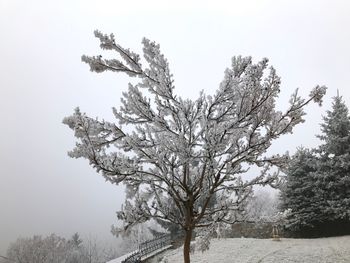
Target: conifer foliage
[181, 153]
[334, 167]
[318, 181]
[298, 193]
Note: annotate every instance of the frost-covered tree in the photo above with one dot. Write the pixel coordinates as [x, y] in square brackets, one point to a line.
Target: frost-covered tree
[333, 179]
[318, 181]
[299, 194]
[133, 236]
[76, 240]
[262, 206]
[56, 249]
[37, 249]
[173, 229]
[174, 152]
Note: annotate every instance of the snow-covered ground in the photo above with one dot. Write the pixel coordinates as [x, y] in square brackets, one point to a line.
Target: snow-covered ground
[244, 250]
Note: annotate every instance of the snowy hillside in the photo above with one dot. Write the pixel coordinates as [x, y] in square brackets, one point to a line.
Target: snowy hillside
[244, 250]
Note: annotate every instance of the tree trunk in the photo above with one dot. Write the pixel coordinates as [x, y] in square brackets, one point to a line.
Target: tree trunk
[187, 245]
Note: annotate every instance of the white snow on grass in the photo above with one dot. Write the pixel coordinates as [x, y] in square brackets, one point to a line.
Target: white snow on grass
[249, 250]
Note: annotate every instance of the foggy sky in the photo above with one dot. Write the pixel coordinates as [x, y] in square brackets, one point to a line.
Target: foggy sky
[42, 80]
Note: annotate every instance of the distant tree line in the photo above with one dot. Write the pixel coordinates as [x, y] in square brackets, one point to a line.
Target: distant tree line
[56, 249]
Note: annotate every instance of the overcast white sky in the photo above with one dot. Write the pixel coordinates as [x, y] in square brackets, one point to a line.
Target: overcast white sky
[42, 80]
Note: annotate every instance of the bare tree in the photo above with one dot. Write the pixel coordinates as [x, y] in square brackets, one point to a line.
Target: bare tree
[39, 250]
[182, 152]
[93, 252]
[55, 249]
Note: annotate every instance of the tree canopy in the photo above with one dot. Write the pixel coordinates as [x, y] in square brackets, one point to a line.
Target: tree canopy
[298, 193]
[174, 154]
[318, 180]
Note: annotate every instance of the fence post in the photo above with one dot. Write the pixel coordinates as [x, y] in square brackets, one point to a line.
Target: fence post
[275, 234]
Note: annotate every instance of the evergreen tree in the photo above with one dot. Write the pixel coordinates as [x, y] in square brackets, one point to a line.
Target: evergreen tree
[298, 192]
[76, 240]
[333, 180]
[317, 188]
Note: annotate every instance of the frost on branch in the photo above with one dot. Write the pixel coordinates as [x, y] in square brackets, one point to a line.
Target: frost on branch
[317, 94]
[184, 161]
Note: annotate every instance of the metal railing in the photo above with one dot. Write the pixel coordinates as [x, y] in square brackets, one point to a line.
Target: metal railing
[148, 247]
[133, 258]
